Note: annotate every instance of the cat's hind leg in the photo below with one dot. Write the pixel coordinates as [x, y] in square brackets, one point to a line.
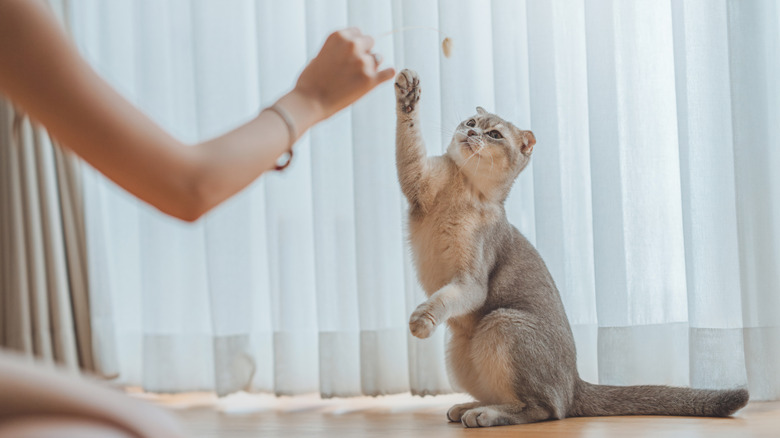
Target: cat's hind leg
[492, 352]
[511, 374]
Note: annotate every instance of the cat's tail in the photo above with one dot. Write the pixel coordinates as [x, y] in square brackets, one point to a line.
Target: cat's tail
[599, 400]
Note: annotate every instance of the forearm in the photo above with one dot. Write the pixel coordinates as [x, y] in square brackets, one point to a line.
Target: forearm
[232, 161]
[180, 180]
[29, 390]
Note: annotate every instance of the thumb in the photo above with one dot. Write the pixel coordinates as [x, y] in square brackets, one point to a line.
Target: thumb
[384, 75]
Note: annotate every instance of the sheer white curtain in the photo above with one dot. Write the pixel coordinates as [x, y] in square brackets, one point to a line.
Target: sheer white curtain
[652, 195]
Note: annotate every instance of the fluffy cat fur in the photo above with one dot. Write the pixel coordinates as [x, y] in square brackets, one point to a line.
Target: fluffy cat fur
[511, 348]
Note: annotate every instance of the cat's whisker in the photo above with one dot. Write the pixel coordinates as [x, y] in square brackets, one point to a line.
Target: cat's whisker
[460, 168]
[481, 145]
[470, 156]
[448, 131]
[457, 115]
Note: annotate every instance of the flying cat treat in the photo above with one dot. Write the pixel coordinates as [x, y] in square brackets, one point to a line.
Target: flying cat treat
[446, 47]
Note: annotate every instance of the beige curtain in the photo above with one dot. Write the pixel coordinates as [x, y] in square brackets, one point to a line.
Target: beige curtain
[44, 300]
[45, 304]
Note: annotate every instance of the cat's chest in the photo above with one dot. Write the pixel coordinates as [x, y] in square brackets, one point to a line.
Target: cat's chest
[445, 242]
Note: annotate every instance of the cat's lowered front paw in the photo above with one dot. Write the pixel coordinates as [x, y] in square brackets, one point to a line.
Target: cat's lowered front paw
[407, 90]
[484, 416]
[455, 414]
[422, 323]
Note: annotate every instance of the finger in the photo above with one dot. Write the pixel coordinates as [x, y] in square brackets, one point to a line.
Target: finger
[377, 59]
[364, 43]
[386, 74]
[370, 65]
[350, 32]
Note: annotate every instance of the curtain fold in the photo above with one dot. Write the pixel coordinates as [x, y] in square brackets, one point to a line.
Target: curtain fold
[707, 148]
[45, 297]
[45, 311]
[754, 39]
[651, 194]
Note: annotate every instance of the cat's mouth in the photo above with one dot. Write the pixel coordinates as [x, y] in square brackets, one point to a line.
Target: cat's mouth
[472, 148]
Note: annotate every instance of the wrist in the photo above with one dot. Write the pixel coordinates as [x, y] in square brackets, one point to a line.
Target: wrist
[305, 109]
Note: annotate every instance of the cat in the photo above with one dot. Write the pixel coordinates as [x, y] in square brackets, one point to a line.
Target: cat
[511, 347]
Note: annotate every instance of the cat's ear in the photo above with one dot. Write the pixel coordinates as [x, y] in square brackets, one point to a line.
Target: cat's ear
[481, 111]
[528, 142]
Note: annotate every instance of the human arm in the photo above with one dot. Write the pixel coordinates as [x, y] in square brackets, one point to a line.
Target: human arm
[43, 74]
[34, 391]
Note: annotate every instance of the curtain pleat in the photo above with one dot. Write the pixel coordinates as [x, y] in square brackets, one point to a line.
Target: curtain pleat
[561, 185]
[708, 192]
[754, 39]
[380, 273]
[16, 301]
[651, 195]
[427, 373]
[45, 298]
[68, 185]
[333, 204]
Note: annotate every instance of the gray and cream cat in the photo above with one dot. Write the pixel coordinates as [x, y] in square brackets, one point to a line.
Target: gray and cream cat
[511, 347]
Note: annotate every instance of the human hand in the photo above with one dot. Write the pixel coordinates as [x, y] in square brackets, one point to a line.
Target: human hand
[342, 72]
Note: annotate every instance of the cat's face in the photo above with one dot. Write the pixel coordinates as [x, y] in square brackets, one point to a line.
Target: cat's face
[489, 150]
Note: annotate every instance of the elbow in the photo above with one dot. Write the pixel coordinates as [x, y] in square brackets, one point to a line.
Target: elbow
[188, 186]
[194, 199]
[189, 210]
[190, 214]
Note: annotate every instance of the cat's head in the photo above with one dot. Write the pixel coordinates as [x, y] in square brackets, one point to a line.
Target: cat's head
[490, 151]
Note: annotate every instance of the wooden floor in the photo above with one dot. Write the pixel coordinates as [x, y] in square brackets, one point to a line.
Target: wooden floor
[400, 416]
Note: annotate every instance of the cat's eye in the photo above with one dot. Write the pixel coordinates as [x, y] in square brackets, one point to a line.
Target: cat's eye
[495, 134]
[471, 123]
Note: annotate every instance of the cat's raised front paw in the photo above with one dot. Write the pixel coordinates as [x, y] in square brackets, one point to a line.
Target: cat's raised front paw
[422, 323]
[407, 90]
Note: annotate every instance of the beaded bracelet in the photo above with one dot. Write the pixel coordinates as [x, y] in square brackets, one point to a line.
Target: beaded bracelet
[291, 131]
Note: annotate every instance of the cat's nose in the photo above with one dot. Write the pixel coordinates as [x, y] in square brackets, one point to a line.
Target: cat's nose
[472, 133]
